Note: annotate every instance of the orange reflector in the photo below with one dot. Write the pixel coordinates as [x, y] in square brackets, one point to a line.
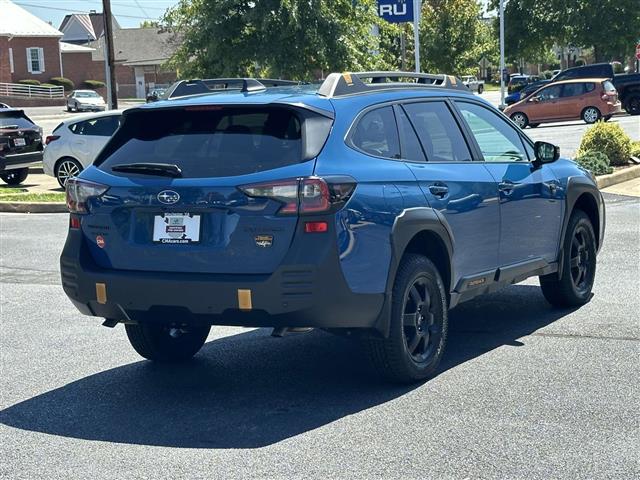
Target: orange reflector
[101, 293]
[244, 299]
[74, 222]
[316, 227]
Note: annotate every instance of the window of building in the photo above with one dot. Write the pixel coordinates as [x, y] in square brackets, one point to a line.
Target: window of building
[35, 60]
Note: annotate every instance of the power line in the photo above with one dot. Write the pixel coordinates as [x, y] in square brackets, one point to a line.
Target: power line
[82, 11]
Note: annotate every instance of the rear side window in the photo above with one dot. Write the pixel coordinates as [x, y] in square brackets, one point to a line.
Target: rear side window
[100, 127]
[210, 142]
[590, 87]
[14, 120]
[438, 132]
[377, 134]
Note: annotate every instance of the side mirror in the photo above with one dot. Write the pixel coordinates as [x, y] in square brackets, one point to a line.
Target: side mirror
[546, 152]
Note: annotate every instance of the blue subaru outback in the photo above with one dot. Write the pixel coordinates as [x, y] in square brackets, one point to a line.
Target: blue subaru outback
[370, 206]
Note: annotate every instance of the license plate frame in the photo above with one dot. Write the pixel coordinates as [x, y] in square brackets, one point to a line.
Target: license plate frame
[176, 228]
[19, 142]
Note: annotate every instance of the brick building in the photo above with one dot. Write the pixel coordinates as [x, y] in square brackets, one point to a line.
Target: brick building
[139, 54]
[29, 47]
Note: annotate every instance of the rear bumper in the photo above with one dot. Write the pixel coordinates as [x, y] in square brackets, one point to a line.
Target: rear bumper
[297, 294]
[21, 160]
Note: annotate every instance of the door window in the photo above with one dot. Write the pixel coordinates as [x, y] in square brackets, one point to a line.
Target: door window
[377, 133]
[438, 132]
[498, 141]
[101, 127]
[410, 145]
[572, 89]
[550, 93]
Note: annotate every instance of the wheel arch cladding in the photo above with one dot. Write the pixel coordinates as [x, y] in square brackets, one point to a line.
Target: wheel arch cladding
[583, 194]
[419, 231]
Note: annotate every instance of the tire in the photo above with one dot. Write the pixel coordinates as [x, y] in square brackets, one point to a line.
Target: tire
[66, 168]
[573, 288]
[69, 108]
[632, 105]
[157, 343]
[480, 89]
[416, 343]
[534, 125]
[607, 118]
[520, 119]
[15, 177]
[591, 115]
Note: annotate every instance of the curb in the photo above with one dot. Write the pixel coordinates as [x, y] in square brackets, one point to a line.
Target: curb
[618, 177]
[33, 207]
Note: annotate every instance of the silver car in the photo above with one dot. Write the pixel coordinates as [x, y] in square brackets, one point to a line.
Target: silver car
[85, 100]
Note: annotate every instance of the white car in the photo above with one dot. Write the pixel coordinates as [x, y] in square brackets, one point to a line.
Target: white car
[81, 100]
[75, 143]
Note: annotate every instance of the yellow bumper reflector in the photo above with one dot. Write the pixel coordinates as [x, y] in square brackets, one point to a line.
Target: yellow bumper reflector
[101, 293]
[244, 299]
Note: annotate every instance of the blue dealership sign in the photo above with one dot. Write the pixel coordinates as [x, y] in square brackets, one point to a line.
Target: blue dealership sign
[396, 11]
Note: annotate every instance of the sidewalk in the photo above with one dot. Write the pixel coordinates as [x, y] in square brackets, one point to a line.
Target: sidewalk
[630, 188]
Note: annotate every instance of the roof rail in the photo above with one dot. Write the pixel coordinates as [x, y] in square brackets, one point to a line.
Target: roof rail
[185, 88]
[341, 84]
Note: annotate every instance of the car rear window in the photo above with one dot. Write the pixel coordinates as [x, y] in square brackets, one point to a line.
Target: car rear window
[14, 119]
[608, 86]
[208, 141]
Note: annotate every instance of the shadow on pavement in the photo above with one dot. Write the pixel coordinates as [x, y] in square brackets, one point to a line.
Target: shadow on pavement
[251, 390]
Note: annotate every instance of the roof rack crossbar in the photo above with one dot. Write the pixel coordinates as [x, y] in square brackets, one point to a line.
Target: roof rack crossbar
[341, 84]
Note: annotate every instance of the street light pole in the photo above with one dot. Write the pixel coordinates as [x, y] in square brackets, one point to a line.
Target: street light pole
[416, 33]
[502, 66]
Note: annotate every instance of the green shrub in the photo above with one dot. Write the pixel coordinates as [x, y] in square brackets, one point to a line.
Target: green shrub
[29, 81]
[608, 138]
[596, 162]
[635, 149]
[547, 74]
[63, 82]
[93, 84]
[48, 85]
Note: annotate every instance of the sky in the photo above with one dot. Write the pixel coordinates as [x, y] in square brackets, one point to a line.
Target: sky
[128, 12]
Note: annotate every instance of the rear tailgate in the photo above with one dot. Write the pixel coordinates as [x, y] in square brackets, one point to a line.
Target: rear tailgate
[18, 134]
[200, 222]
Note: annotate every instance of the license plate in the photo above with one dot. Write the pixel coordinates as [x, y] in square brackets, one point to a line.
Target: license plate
[19, 142]
[176, 228]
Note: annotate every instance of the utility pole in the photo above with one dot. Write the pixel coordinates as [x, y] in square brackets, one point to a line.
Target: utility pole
[112, 94]
[502, 67]
[416, 34]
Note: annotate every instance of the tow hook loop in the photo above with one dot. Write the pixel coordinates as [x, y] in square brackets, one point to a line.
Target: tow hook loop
[109, 322]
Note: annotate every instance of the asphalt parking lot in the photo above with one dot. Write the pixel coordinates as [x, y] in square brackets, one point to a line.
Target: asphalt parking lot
[524, 391]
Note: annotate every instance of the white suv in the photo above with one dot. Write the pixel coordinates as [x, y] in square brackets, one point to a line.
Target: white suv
[75, 143]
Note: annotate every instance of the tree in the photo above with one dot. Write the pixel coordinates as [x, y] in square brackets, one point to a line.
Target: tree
[297, 39]
[149, 24]
[610, 27]
[452, 38]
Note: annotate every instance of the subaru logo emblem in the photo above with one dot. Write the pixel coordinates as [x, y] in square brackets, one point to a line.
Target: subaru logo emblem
[168, 197]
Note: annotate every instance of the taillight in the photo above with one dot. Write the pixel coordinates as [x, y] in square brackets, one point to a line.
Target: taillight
[307, 195]
[51, 138]
[80, 191]
[74, 222]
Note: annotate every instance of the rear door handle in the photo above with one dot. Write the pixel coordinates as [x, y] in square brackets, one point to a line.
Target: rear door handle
[439, 189]
[506, 186]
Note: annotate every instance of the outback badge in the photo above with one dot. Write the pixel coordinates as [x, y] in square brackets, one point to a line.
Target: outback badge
[264, 241]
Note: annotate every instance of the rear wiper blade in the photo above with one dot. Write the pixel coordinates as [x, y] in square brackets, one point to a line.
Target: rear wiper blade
[162, 169]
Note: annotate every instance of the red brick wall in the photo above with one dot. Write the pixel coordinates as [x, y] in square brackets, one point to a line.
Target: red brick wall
[78, 67]
[51, 51]
[5, 68]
